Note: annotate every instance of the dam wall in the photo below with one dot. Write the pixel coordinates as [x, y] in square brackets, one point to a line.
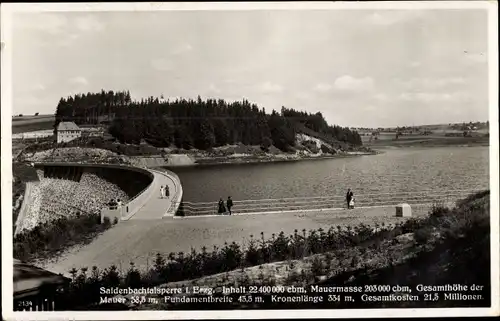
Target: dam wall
[132, 180]
[69, 189]
[135, 183]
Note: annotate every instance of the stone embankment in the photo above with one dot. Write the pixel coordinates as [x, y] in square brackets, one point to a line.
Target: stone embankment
[76, 154]
[307, 148]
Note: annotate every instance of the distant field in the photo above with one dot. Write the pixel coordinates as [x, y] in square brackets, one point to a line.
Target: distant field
[435, 139]
[32, 118]
[32, 127]
[32, 123]
[384, 137]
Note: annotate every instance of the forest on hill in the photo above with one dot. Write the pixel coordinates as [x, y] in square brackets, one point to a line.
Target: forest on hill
[201, 124]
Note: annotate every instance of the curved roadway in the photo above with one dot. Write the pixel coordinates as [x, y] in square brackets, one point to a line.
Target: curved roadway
[155, 207]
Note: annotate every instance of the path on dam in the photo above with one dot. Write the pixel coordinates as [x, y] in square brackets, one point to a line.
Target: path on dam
[156, 207]
[139, 241]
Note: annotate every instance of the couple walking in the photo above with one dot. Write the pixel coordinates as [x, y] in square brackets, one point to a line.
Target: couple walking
[349, 199]
[222, 207]
[164, 191]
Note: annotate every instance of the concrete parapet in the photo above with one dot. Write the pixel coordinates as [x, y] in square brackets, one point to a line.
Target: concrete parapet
[24, 207]
[176, 192]
[403, 210]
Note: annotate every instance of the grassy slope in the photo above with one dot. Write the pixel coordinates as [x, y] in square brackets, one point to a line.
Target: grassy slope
[453, 247]
[447, 247]
[50, 240]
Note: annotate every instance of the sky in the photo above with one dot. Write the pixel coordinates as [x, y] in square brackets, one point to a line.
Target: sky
[359, 68]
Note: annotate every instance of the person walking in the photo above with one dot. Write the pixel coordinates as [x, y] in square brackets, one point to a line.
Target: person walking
[167, 191]
[229, 204]
[161, 191]
[222, 208]
[349, 197]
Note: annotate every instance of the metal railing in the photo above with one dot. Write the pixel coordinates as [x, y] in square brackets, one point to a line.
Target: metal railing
[326, 202]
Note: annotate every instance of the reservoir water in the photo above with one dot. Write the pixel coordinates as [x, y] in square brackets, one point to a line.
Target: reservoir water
[395, 170]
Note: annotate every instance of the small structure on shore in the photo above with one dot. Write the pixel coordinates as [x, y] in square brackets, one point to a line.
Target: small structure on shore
[403, 210]
[67, 131]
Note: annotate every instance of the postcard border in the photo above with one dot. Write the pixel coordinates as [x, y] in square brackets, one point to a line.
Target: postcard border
[6, 167]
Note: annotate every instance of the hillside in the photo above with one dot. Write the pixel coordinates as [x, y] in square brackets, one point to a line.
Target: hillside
[477, 125]
[185, 132]
[384, 140]
[441, 135]
[199, 124]
[145, 155]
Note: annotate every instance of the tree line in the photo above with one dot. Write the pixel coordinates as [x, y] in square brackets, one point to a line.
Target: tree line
[196, 123]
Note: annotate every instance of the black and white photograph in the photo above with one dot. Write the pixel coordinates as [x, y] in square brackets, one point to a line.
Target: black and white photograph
[250, 159]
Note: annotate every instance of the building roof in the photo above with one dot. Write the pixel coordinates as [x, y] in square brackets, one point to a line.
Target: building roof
[67, 125]
[28, 278]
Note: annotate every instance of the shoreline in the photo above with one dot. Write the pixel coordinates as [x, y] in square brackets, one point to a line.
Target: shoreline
[274, 159]
[197, 160]
[187, 160]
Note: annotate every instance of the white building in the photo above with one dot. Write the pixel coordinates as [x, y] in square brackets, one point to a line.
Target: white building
[67, 131]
